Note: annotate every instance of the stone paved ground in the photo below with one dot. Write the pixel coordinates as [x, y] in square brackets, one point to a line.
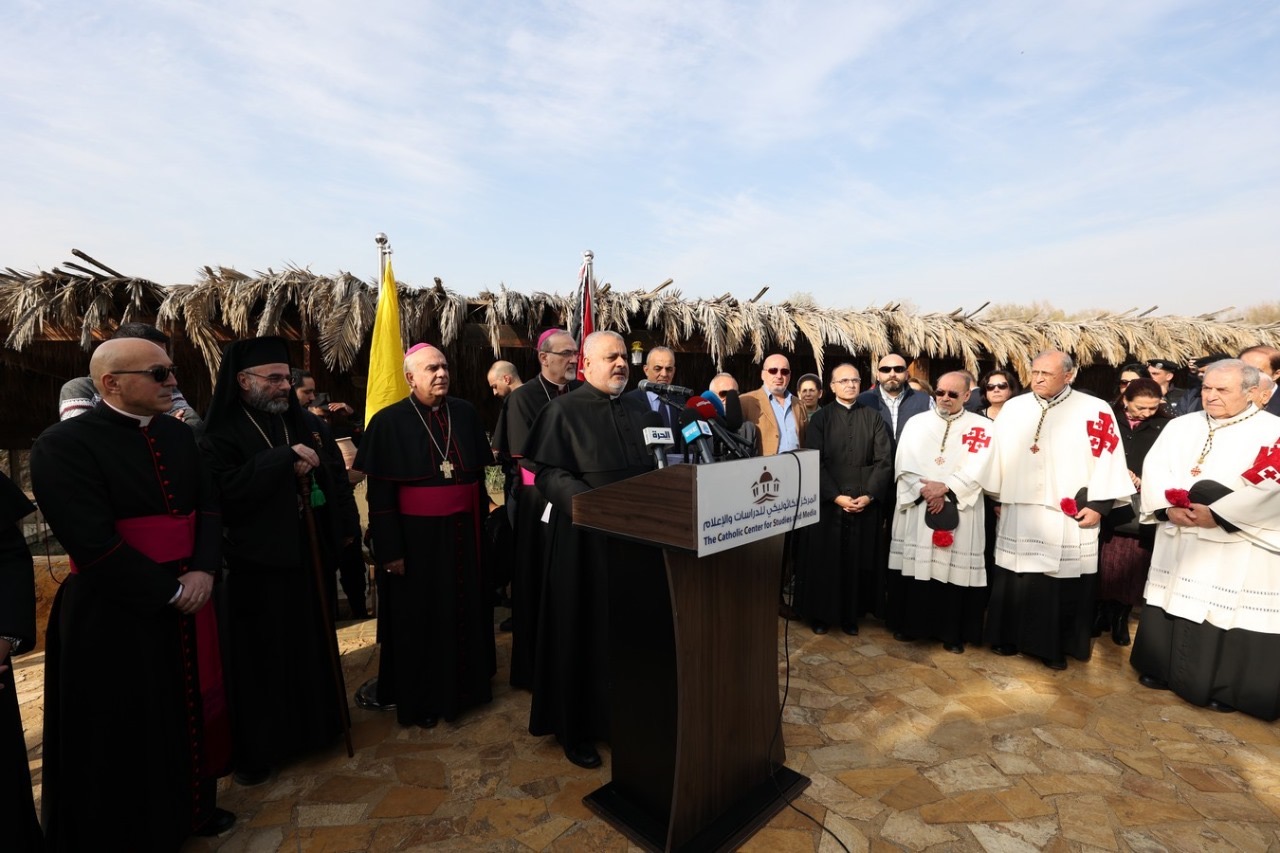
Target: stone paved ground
[908, 747]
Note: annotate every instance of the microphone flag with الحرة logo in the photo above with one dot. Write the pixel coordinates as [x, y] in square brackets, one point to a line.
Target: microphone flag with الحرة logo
[583, 321]
[386, 383]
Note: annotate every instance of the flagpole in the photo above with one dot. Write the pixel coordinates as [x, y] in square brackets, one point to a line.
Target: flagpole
[384, 249]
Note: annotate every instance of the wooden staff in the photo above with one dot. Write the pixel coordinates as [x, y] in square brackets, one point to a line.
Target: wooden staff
[326, 615]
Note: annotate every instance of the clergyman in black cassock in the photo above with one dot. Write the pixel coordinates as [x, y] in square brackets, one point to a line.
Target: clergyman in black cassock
[586, 439]
[265, 454]
[556, 351]
[17, 622]
[425, 457]
[839, 578]
[129, 499]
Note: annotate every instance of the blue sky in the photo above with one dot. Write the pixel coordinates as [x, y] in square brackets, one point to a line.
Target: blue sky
[1088, 154]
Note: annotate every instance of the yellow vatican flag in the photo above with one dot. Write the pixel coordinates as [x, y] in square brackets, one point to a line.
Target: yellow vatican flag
[386, 383]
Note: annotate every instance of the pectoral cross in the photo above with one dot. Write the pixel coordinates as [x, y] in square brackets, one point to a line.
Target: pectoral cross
[446, 469]
[1035, 448]
[1195, 472]
[940, 460]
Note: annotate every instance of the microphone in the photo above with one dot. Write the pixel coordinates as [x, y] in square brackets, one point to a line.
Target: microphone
[662, 389]
[713, 399]
[697, 434]
[657, 438]
[733, 444]
[732, 410]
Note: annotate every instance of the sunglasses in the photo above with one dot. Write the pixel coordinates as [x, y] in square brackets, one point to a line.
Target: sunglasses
[1124, 382]
[774, 371]
[893, 369]
[954, 395]
[159, 374]
[997, 386]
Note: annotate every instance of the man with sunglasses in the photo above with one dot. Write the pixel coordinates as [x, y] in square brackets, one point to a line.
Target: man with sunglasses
[895, 400]
[937, 577]
[79, 395]
[277, 471]
[778, 416]
[124, 489]
[557, 360]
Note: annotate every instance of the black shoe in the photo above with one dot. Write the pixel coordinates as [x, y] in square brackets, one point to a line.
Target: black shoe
[819, 627]
[249, 777]
[1056, 663]
[954, 648]
[505, 625]
[1220, 707]
[1120, 629]
[218, 823]
[428, 721]
[1102, 618]
[851, 630]
[583, 755]
[367, 697]
[1006, 650]
[1152, 682]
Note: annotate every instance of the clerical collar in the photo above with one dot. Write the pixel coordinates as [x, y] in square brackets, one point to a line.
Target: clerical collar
[1219, 423]
[546, 381]
[143, 420]
[848, 405]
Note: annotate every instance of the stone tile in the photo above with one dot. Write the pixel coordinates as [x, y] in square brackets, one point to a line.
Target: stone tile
[770, 840]
[1140, 811]
[1205, 778]
[1067, 738]
[987, 706]
[1191, 836]
[911, 792]
[1071, 711]
[423, 772]
[1013, 765]
[874, 780]
[970, 807]
[914, 834]
[568, 803]
[409, 801]
[1152, 789]
[330, 814]
[1145, 762]
[1075, 761]
[1087, 820]
[330, 839]
[1023, 802]
[966, 774]
[275, 813]
[851, 837]
[1214, 806]
[505, 818]
[1014, 837]
[1198, 753]
[344, 789]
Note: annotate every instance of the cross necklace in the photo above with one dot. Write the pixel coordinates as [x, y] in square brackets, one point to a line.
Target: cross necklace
[946, 432]
[1044, 410]
[1208, 442]
[263, 432]
[446, 467]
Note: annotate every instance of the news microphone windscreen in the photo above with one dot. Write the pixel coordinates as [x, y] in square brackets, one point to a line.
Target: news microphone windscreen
[714, 399]
[705, 410]
[651, 419]
[732, 410]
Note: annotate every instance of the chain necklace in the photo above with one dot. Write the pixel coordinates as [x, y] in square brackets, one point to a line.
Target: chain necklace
[263, 432]
[946, 432]
[1044, 410]
[1208, 442]
[446, 467]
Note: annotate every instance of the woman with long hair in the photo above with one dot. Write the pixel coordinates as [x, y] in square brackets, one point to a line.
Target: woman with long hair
[1125, 555]
[998, 387]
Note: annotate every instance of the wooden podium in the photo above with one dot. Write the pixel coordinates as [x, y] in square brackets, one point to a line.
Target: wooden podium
[697, 750]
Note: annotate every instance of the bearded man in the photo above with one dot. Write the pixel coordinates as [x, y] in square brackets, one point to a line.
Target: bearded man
[265, 453]
[586, 439]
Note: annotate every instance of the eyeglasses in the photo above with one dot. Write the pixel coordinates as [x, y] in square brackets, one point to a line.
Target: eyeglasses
[940, 393]
[893, 369]
[722, 394]
[997, 386]
[159, 374]
[564, 353]
[272, 378]
[846, 381]
[774, 371]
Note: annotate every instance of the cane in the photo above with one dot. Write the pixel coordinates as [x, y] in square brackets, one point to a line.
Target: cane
[326, 619]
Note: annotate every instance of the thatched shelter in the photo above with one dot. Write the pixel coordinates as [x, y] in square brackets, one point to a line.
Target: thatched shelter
[50, 321]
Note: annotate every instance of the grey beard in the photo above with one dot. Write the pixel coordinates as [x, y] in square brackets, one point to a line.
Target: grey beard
[264, 402]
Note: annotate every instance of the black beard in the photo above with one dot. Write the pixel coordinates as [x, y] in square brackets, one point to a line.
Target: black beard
[264, 401]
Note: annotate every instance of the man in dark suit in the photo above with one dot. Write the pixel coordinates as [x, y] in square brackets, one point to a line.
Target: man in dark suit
[660, 366]
[892, 397]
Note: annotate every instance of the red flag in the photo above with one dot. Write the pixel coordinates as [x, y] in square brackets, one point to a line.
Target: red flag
[583, 321]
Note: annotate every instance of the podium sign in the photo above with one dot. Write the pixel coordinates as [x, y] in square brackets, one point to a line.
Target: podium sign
[754, 499]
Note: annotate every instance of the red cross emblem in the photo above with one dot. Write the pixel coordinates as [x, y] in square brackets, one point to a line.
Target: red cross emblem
[976, 438]
[1266, 466]
[1102, 434]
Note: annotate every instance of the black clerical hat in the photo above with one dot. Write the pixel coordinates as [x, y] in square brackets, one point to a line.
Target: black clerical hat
[256, 352]
[1207, 491]
[1169, 364]
[947, 519]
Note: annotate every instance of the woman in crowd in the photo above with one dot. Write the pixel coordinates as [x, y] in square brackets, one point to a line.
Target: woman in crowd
[809, 389]
[1128, 373]
[998, 387]
[1125, 555]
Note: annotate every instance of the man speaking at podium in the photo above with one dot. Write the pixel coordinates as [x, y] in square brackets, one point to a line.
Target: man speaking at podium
[588, 438]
